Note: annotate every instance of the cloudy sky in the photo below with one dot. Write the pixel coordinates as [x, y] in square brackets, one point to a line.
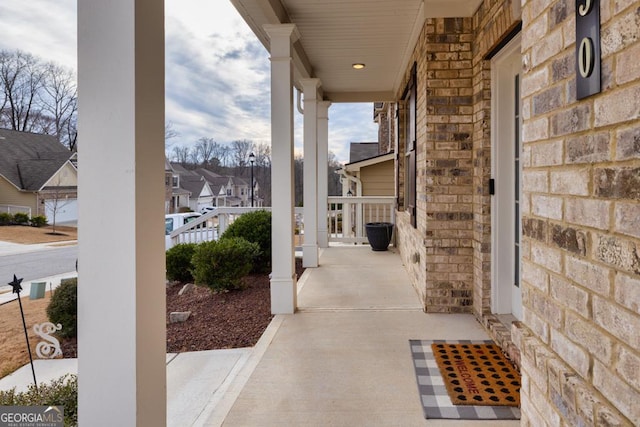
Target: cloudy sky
[217, 73]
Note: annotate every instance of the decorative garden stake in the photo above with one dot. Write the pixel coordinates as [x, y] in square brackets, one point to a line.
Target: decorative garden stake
[16, 290]
[50, 349]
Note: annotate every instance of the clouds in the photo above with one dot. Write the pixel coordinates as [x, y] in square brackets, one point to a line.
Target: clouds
[217, 74]
[214, 87]
[44, 28]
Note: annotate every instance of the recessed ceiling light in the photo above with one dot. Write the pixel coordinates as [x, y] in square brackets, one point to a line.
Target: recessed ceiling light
[358, 66]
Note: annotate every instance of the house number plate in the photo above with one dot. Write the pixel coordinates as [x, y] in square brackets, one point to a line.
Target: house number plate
[587, 48]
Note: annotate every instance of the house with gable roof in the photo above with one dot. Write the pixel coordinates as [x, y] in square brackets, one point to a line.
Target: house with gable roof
[38, 175]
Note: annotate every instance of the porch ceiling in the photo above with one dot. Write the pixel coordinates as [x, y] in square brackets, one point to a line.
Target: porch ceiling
[338, 33]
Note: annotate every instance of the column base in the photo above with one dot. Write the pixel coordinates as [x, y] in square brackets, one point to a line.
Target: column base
[284, 293]
[310, 256]
[323, 239]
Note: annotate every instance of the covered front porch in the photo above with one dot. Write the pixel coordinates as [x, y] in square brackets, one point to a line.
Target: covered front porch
[344, 358]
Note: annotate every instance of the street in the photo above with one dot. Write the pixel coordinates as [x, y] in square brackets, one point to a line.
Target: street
[37, 265]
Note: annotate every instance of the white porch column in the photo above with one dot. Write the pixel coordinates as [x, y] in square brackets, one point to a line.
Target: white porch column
[323, 172]
[121, 295]
[310, 197]
[283, 277]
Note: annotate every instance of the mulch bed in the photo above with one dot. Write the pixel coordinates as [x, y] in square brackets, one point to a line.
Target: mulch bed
[218, 320]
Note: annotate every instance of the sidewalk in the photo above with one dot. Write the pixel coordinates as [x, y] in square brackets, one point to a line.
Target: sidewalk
[52, 282]
[8, 248]
[196, 381]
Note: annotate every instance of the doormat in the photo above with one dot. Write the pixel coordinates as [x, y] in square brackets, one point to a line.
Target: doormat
[436, 403]
[477, 374]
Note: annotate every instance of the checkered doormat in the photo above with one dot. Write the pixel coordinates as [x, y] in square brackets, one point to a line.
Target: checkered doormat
[433, 393]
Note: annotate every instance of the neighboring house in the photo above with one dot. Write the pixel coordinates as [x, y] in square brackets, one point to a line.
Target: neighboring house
[368, 173]
[38, 173]
[195, 189]
[200, 192]
[176, 197]
[230, 190]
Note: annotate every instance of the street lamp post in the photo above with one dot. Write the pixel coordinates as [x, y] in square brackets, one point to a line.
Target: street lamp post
[252, 159]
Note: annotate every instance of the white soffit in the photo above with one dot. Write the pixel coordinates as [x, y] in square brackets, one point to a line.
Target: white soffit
[338, 33]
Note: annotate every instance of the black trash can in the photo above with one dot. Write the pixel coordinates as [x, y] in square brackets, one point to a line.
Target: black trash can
[379, 235]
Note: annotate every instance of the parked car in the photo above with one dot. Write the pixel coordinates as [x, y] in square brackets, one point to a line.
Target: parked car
[206, 209]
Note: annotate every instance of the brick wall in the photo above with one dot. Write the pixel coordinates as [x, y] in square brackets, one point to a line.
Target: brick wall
[439, 252]
[446, 177]
[581, 271]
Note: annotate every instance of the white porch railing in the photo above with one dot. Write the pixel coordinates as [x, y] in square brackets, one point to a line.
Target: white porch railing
[346, 220]
[347, 216]
[213, 224]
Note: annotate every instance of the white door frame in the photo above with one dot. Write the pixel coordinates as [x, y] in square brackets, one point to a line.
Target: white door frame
[506, 298]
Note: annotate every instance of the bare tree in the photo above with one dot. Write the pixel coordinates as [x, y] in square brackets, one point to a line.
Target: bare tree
[37, 97]
[181, 154]
[21, 77]
[240, 150]
[262, 152]
[221, 152]
[169, 132]
[335, 187]
[205, 149]
[56, 200]
[59, 101]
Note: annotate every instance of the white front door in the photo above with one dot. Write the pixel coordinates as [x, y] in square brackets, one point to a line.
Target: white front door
[506, 151]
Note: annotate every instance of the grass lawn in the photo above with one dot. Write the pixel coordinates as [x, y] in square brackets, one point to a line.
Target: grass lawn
[30, 235]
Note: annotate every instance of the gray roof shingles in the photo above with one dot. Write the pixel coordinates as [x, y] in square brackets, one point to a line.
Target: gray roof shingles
[29, 160]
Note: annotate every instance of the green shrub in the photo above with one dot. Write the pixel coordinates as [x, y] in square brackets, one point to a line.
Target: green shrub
[63, 307]
[6, 218]
[21, 218]
[256, 228]
[222, 264]
[179, 262]
[38, 221]
[59, 392]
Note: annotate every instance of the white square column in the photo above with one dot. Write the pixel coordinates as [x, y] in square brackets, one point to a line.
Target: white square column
[323, 172]
[121, 290]
[310, 174]
[283, 275]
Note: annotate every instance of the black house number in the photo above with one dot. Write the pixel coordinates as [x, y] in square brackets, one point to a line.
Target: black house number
[587, 48]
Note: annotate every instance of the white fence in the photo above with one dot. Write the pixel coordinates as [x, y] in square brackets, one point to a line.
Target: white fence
[347, 216]
[346, 220]
[12, 209]
[213, 224]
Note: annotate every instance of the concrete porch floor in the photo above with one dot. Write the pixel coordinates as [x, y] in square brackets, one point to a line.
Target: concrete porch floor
[344, 358]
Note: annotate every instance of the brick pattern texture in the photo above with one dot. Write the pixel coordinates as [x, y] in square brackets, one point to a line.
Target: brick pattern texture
[444, 233]
[580, 346]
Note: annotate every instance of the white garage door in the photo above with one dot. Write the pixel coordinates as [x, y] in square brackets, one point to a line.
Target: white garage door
[67, 210]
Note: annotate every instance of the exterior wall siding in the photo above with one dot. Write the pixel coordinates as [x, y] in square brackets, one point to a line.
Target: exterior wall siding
[9, 195]
[581, 271]
[377, 180]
